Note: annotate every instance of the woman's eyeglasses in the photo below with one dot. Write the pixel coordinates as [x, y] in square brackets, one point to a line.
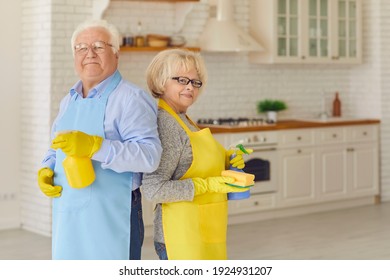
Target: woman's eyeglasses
[185, 81]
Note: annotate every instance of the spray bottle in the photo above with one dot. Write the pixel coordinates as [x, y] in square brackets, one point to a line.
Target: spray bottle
[238, 195]
[78, 170]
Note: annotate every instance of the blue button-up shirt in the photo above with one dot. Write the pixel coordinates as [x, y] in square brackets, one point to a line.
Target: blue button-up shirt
[131, 141]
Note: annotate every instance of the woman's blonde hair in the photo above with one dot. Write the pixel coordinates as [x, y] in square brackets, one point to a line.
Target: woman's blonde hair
[166, 64]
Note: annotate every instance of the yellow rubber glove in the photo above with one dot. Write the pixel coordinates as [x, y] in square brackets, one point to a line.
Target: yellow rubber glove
[77, 143]
[45, 182]
[238, 160]
[215, 185]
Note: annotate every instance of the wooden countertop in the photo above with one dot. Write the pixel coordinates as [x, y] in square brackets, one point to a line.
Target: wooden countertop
[288, 124]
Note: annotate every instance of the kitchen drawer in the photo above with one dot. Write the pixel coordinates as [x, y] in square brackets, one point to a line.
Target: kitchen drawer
[253, 138]
[296, 138]
[254, 203]
[362, 133]
[333, 135]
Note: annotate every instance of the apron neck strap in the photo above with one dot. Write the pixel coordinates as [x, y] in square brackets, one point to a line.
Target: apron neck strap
[116, 78]
[164, 105]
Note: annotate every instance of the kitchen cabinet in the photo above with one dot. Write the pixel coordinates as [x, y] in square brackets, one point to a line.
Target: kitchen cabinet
[328, 164]
[297, 167]
[332, 173]
[252, 204]
[362, 170]
[348, 165]
[307, 31]
[332, 164]
[363, 158]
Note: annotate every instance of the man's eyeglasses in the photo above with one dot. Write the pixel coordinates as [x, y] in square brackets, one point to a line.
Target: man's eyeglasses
[97, 47]
[186, 81]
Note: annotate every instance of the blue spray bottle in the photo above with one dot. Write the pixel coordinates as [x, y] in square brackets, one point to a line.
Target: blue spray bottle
[238, 195]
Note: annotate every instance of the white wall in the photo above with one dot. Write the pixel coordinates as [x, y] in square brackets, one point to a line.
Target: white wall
[10, 81]
[384, 84]
[234, 88]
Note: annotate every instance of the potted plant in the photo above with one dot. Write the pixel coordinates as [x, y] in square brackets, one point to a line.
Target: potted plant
[271, 107]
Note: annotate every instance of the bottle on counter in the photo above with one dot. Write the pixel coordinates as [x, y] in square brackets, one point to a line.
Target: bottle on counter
[336, 106]
[139, 40]
[128, 39]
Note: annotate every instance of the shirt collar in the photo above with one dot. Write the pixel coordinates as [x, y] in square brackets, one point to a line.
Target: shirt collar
[97, 91]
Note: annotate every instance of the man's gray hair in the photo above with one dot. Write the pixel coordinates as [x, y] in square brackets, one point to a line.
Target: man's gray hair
[110, 28]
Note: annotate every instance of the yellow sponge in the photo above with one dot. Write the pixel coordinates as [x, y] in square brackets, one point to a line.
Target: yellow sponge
[242, 179]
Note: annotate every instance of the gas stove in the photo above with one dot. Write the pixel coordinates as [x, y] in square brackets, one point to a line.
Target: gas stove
[234, 122]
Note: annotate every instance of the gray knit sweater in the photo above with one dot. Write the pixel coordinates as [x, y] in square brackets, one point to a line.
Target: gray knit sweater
[163, 185]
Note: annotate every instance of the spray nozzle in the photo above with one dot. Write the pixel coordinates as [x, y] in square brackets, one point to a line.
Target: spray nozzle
[242, 148]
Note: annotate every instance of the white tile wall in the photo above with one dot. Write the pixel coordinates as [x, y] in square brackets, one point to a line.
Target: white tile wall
[383, 81]
[35, 110]
[10, 69]
[234, 85]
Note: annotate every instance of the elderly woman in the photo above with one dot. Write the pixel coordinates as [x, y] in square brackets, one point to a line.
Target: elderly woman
[191, 213]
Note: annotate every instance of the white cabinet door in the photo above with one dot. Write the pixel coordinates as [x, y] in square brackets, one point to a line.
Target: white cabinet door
[316, 27]
[347, 31]
[277, 25]
[297, 176]
[332, 173]
[307, 31]
[363, 169]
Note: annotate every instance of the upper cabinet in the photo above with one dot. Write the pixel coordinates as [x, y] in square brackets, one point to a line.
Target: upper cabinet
[307, 31]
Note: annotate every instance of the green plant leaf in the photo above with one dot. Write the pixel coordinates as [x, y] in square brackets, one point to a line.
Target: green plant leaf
[270, 105]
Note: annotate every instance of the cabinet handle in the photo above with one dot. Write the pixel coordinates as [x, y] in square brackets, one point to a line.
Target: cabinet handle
[299, 151]
[334, 135]
[264, 149]
[350, 149]
[299, 138]
[256, 203]
[303, 57]
[365, 133]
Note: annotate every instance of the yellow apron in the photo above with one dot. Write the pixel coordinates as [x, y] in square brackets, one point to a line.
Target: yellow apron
[196, 230]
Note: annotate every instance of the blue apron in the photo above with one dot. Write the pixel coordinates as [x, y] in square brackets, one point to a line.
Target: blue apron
[94, 222]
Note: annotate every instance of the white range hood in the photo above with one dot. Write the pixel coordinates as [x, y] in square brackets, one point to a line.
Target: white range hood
[221, 34]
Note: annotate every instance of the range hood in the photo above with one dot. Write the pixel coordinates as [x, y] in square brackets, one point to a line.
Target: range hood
[221, 34]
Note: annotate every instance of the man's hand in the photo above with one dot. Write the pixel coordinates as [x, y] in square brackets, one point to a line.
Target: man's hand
[77, 143]
[45, 182]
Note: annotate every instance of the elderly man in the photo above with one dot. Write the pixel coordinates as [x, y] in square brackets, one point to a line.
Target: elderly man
[112, 122]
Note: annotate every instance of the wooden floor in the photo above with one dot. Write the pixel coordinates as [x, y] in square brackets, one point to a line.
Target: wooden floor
[357, 233]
